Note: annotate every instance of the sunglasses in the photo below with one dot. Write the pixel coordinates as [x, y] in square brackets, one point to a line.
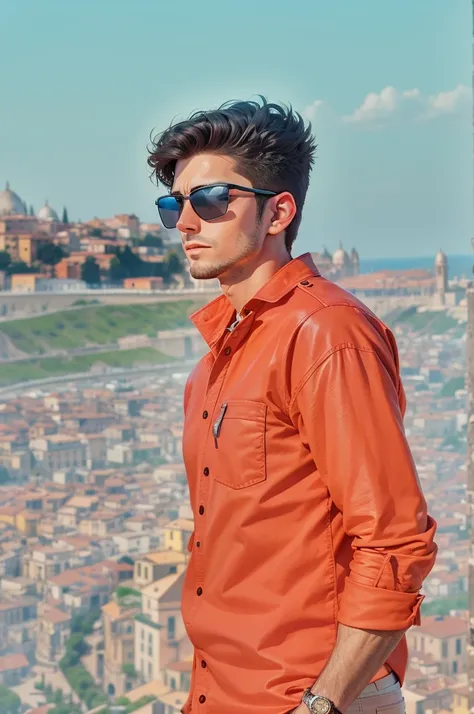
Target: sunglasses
[209, 202]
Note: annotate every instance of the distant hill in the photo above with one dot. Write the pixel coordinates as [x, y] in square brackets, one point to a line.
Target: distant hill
[37, 368]
[434, 322]
[94, 325]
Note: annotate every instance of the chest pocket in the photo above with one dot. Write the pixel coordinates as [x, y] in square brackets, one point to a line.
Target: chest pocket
[239, 441]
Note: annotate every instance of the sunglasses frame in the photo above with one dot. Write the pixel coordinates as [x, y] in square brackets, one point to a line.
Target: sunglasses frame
[248, 189]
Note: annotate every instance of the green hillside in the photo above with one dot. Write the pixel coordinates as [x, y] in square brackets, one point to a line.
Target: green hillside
[56, 366]
[433, 322]
[95, 325]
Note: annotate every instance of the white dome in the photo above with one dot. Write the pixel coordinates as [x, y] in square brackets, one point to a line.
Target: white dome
[10, 203]
[47, 213]
[340, 256]
[441, 258]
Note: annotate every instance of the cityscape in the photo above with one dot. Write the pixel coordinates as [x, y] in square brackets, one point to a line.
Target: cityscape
[95, 519]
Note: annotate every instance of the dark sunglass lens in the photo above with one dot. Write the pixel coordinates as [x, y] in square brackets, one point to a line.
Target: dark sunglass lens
[169, 208]
[210, 202]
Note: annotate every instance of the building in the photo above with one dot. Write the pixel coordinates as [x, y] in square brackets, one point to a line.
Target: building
[11, 204]
[14, 614]
[58, 452]
[339, 265]
[153, 566]
[46, 213]
[177, 534]
[54, 629]
[442, 639]
[470, 483]
[24, 282]
[160, 636]
[441, 274]
[153, 283]
[119, 645]
[42, 563]
[13, 668]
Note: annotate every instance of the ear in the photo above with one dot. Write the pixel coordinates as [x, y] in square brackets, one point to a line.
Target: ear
[282, 210]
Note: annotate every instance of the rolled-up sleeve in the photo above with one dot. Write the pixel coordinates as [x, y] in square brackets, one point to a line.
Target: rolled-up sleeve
[348, 407]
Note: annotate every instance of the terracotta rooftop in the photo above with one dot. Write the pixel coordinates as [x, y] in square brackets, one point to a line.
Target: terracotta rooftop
[183, 666]
[13, 661]
[54, 615]
[442, 626]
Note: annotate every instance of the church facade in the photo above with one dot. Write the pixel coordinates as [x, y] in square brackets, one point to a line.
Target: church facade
[339, 265]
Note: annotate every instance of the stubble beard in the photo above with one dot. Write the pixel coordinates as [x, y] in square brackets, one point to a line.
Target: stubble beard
[245, 247]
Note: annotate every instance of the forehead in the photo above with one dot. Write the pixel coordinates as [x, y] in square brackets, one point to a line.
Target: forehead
[204, 169]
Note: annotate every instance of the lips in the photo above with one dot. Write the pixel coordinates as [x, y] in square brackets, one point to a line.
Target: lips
[194, 246]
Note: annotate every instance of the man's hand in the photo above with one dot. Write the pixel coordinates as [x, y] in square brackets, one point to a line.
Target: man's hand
[357, 656]
[300, 709]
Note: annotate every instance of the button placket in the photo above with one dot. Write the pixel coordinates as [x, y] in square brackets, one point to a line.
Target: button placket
[211, 399]
[214, 388]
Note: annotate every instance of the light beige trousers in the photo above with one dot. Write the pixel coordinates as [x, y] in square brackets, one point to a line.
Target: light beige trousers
[381, 697]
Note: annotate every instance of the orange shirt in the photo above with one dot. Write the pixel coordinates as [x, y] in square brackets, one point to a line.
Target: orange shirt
[307, 506]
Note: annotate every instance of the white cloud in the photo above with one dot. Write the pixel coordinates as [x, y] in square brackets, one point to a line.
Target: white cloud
[376, 107]
[456, 101]
[411, 93]
[313, 109]
[412, 104]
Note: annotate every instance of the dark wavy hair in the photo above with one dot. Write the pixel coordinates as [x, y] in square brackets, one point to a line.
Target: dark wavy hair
[270, 144]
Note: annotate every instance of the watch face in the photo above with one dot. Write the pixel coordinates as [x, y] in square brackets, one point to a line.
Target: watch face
[321, 705]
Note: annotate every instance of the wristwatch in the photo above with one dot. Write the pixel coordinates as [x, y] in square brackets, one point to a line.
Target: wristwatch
[318, 704]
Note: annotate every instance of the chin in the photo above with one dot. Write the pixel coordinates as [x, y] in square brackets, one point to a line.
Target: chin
[205, 272]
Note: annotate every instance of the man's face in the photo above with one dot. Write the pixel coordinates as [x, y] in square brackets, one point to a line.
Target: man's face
[233, 243]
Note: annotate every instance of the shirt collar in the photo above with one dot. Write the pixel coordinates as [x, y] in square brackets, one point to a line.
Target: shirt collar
[212, 319]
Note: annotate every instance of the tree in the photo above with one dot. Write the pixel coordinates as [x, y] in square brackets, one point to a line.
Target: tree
[174, 264]
[70, 659]
[126, 264]
[152, 241]
[50, 254]
[32, 211]
[96, 232]
[4, 474]
[21, 267]
[5, 260]
[115, 270]
[128, 668]
[76, 643]
[10, 702]
[90, 271]
[65, 216]
[126, 559]
[64, 705]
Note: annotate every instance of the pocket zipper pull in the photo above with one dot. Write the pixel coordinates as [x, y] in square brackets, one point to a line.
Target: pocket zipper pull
[216, 427]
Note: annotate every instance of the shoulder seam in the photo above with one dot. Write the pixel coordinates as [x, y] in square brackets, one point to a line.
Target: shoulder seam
[310, 371]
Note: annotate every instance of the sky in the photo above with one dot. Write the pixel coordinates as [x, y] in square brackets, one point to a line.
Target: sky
[386, 86]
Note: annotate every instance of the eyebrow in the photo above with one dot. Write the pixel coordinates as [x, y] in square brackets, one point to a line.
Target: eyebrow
[195, 188]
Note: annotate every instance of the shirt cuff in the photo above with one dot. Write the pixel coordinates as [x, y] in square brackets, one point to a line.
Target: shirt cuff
[371, 608]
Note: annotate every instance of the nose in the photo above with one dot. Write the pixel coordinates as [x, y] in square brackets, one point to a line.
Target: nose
[189, 221]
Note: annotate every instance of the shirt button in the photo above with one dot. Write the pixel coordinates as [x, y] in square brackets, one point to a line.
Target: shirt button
[205, 415]
[198, 544]
[201, 510]
[203, 664]
[199, 591]
[304, 282]
[206, 471]
[202, 699]
[228, 350]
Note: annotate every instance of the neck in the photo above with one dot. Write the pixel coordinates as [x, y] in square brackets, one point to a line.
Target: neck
[246, 280]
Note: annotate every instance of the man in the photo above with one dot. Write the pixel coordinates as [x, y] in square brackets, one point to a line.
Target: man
[311, 537]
